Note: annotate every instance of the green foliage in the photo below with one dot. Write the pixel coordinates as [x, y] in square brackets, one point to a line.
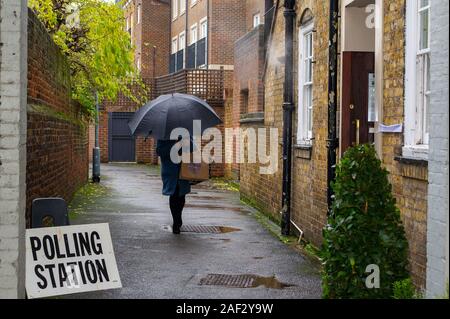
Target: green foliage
[404, 289]
[364, 229]
[91, 33]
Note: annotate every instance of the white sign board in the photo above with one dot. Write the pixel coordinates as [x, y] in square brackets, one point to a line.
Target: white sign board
[68, 260]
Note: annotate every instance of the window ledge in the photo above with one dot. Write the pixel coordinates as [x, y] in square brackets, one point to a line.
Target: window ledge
[303, 146]
[415, 152]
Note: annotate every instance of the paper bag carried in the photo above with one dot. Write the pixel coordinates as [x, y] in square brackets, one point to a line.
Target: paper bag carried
[194, 172]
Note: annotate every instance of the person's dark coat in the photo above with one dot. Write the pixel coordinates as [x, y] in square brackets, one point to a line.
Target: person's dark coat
[170, 171]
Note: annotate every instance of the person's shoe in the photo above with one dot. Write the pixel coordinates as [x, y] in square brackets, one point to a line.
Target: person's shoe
[176, 229]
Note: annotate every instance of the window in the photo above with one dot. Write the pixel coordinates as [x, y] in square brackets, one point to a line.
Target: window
[174, 9]
[139, 13]
[244, 102]
[174, 45]
[256, 20]
[305, 83]
[194, 34]
[182, 6]
[182, 46]
[182, 41]
[203, 29]
[417, 90]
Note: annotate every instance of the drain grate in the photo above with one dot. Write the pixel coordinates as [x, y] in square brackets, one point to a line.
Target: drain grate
[199, 229]
[242, 281]
[233, 281]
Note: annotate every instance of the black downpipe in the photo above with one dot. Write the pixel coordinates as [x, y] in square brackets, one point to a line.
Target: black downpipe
[288, 108]
[333, 141]
[269, 9]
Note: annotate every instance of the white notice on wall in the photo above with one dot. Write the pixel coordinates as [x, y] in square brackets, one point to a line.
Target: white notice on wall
[68, 260]
[397, 128]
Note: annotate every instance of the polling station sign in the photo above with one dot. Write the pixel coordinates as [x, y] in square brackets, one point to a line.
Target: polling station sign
[70, 259]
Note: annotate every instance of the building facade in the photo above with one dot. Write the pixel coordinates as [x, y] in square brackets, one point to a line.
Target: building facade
[203, 33]
[383, 98]
[249, 61]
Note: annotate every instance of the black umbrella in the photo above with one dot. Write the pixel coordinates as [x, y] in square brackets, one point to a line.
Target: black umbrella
[159, 117]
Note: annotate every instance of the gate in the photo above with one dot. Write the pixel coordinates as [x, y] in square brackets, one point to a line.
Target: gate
[122, 145]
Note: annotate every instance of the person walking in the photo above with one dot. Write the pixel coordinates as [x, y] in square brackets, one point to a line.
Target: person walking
[173, 187]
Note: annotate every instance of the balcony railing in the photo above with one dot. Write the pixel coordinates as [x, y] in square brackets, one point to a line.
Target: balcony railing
[206, 84]
[196, 57]
[177, 61]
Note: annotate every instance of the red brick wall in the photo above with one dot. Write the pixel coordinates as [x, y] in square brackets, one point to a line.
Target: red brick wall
[152, 31]
[227, 24]
[57, 140]
[155, 33]
[253, 7]
[248, 63]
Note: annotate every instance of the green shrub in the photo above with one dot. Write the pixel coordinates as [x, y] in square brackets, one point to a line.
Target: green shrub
[404, 289]
[364, 229]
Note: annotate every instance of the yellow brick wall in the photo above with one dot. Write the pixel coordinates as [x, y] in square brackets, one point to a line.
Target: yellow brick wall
[309, 188]
[409, 181]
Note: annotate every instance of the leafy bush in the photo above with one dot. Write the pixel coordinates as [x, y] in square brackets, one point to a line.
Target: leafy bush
[404, 289]
[364, 229]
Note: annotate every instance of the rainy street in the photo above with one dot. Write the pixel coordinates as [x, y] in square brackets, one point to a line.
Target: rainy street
[223, 251]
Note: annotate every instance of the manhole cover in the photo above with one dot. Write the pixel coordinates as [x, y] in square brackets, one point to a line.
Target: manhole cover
[200, 229]
[242, 281]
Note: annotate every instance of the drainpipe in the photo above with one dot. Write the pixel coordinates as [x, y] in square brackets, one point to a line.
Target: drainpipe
[288, 108]
[332, 141]
[208, 26]
[186, 35]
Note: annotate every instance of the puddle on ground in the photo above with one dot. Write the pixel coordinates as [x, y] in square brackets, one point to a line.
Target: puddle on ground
[225, 230]
[225, 240]
[269, 282]
[239, 210]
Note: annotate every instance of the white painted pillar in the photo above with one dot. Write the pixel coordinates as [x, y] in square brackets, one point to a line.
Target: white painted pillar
[438, 196]
[13, 121]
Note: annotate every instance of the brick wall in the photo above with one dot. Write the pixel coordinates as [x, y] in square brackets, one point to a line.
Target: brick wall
[248, 91]
[438, 198]
[253, 7]
[409, 179]
[150, 36]
[227, 24]
[155, 33]
[309, 185]
[13, 123]
[309, 203]
[57, 140]
[265, 190]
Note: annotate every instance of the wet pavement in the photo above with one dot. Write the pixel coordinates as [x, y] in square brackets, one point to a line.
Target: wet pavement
[238, 258]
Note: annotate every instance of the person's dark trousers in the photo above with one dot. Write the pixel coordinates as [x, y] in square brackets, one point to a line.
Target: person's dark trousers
[176, 207]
